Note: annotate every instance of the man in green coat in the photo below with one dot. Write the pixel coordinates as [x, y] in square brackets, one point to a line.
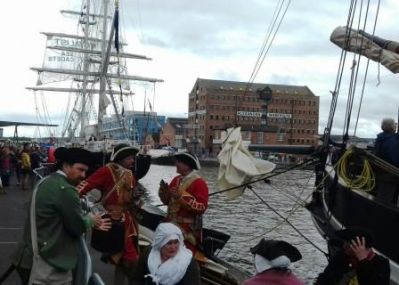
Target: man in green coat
[60, 222]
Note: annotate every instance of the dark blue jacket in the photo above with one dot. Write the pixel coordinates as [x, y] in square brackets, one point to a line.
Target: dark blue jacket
[387, 147]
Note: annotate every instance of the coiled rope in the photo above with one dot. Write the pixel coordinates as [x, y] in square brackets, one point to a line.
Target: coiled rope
[364, 182]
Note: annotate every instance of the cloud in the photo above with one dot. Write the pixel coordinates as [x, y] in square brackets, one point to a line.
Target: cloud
[208, 39]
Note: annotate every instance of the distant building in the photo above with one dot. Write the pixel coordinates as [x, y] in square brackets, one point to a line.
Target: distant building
[138, 124]
[267, 113]
[174, 132]
[354, 140]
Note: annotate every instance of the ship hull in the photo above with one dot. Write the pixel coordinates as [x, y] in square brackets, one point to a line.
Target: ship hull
[337, 206]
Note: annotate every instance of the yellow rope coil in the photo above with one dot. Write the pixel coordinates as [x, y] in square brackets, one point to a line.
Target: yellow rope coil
[365, 181]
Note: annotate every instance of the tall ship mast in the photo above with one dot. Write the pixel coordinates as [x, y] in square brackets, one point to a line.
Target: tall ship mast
[92, 66]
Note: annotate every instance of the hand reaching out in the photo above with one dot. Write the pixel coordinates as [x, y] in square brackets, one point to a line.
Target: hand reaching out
[163, 186]
[163, 192]
[103, 224]
[175, 193]
[358, 246]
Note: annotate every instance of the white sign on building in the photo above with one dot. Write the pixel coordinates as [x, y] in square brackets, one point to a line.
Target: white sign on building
[198, 112]
[249, 114]
[279, 115]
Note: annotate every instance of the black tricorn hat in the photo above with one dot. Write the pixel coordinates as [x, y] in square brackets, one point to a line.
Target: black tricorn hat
[73, 155]
[122, 151]
[188, 159]
[272, 249]
[353, 232]
[60, 153]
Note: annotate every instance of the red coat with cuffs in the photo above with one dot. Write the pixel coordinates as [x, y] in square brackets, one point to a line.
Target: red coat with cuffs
[187, 200]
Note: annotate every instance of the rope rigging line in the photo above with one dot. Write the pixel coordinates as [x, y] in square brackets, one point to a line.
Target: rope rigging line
[367, 65]
[266, 40]
[272, 40]
[338, 80]
[354, 77]
[289, 223]
[358, 61]
[349, 103]
[285, 219]
[265, 47]
[119, 81]
[155, 117]
[147, 115]
[290, 195]
[67, 112]
[38, 116]
[293, 210]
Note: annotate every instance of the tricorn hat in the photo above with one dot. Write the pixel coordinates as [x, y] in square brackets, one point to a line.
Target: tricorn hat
[73, 155]
[122, 151]
[353, 232]
[272, 249]
[188, 159]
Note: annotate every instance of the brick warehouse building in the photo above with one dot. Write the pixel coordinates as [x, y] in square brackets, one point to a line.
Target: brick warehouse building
[174, 132]
[267, 114]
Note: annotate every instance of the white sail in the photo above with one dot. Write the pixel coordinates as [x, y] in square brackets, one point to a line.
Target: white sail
[355, 41]
[237, 165]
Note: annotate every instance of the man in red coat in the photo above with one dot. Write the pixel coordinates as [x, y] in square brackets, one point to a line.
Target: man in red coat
[117, 184]
[187, 199]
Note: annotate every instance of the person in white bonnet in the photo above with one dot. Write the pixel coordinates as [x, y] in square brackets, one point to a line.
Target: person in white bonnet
[168, 261]
[272, 260]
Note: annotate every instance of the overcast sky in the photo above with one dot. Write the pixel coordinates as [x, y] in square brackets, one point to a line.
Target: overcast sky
[218, 39]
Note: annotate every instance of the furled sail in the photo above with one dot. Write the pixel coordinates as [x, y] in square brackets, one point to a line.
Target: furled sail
[377, 49]
[237, 165]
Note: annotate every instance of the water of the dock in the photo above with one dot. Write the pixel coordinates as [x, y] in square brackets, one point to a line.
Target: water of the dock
[245, 219]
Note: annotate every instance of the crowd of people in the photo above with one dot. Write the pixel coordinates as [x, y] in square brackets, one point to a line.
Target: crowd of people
[19, 161]
[48, 252]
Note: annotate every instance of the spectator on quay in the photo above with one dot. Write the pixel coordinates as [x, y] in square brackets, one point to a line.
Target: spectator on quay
[50, 155]
[16, 163]
[26, 167]
[36, 157]
[5, 167]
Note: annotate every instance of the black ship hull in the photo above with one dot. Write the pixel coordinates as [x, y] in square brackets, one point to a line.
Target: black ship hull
[337, 206]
